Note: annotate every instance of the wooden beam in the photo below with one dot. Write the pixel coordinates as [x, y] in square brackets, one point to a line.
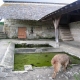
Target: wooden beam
[56, 24]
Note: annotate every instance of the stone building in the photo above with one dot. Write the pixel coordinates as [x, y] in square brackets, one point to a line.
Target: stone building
[36, 20]
[22, 19]
[67, 16]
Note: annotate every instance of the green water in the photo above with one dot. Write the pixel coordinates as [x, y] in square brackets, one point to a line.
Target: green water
[37, 60]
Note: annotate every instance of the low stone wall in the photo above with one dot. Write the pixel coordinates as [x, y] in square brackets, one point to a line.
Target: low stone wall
[1, 28]
[7, 62]
[75, 30]
[37, 50]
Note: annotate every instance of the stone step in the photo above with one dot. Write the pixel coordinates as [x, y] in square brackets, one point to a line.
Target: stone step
[64, 29]
[66, 36]
[65, 33]
[2, 35]
[70, 39]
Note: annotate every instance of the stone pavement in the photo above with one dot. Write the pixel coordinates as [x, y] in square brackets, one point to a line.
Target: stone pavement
[43, 73]
[71, 47]
[6, 55]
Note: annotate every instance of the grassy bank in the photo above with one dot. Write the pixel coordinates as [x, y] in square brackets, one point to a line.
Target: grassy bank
[37, 60]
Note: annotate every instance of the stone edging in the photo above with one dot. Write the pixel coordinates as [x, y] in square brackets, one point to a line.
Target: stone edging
[7, 62]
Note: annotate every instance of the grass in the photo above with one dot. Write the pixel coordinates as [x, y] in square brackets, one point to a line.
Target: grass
[77, 76]
[37, 60]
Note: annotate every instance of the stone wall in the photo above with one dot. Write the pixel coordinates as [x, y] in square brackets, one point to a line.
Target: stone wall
[40, 29]
[1, 28]
[75, 30]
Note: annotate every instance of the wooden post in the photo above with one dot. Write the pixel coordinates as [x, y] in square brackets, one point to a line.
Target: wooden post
[56, 23]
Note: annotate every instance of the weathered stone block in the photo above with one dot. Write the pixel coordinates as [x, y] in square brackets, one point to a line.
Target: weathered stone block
[28, 67]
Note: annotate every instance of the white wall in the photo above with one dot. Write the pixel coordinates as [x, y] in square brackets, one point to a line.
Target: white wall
[75, 30]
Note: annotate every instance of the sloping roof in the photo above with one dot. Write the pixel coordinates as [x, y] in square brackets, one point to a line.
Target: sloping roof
[27, 11]
[65, 10]
[41, 1]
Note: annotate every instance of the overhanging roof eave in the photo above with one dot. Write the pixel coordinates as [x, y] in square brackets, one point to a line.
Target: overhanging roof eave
[66, 9]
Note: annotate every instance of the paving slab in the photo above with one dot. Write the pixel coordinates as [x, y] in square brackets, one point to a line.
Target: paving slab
[3, 48]
[6, 57]
[43, 73]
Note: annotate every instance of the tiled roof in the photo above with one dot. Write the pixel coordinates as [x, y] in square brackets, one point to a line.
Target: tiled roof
[27, 11]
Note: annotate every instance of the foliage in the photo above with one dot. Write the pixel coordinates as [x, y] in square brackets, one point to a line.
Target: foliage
[77, 76]
[24, 45]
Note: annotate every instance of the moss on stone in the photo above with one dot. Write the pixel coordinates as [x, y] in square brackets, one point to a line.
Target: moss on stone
[37, 60]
